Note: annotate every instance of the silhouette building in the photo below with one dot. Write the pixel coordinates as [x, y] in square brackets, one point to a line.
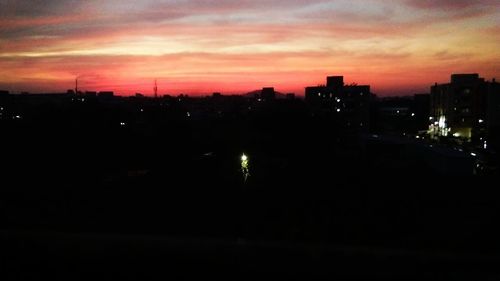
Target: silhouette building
[349, 103]
[268, 94]
[335, 82]
[467, 107]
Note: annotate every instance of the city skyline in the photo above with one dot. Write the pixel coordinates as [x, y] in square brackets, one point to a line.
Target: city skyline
[197, 47]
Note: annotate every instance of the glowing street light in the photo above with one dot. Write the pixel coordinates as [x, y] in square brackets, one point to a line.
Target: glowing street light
[244, 166]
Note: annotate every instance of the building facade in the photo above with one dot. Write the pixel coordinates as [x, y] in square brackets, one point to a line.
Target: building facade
[464, 108]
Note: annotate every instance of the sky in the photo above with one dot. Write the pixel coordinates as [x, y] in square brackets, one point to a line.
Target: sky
[399, 47]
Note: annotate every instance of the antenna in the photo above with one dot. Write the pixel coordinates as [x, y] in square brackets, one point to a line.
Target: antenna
[156, 89]
[76, 85]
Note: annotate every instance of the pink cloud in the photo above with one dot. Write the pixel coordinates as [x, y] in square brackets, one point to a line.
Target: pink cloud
[284, 43]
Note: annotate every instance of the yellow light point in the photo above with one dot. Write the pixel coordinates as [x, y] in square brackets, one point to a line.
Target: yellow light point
[244, 166]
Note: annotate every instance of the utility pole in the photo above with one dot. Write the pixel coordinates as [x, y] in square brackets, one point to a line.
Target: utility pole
[156, 89]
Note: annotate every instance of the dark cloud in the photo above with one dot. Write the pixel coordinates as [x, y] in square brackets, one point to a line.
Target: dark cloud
[450, 4]
[40, 8]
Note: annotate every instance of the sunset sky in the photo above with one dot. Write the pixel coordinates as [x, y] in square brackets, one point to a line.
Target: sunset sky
[236, 46]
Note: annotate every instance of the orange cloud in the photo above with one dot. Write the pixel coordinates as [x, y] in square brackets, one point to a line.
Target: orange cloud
[237, 46]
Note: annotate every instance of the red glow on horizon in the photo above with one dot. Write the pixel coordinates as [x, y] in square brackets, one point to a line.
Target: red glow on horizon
[237, 47]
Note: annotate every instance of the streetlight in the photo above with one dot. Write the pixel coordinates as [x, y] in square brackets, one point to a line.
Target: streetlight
[244, 166]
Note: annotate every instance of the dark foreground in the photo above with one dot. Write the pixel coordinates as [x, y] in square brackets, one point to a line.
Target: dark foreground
[164, 197]
[63, 256]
